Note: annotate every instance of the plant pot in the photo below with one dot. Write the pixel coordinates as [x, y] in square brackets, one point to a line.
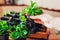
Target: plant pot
[21, 39]
[2, 37]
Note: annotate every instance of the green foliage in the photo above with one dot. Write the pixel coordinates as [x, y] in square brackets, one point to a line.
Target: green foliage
[22, 18]
[14, 35]
[23, 30]
[23, 34]
[4, 29]
[22, 12]
[15, 31]
[32, 9]
[20, 31]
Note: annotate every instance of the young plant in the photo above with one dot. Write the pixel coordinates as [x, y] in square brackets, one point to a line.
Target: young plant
[19, 32]
[32, 10]
[4, 28]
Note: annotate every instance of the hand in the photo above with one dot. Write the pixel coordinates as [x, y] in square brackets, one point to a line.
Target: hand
[37, 19]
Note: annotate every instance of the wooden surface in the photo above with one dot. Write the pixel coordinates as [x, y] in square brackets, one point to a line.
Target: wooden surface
[0, 11]
[52, 36]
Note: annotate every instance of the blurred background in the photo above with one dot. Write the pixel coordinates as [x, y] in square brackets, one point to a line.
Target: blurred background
[51, 4]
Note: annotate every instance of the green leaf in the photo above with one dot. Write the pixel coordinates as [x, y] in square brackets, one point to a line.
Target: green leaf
[0, 33]
[32, 9]
[32, 3]
[22, 18]
[22, 12]
[22, 25]
[3, 28]
[14, 35]
[17, 28]
[38, 11]
[23, 34]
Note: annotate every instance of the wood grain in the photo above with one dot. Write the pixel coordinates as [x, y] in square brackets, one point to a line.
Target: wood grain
[0, 11]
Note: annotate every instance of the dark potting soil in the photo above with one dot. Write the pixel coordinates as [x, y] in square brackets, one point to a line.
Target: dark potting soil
[34, 27]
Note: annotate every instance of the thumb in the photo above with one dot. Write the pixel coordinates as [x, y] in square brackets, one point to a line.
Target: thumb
[35, 17]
